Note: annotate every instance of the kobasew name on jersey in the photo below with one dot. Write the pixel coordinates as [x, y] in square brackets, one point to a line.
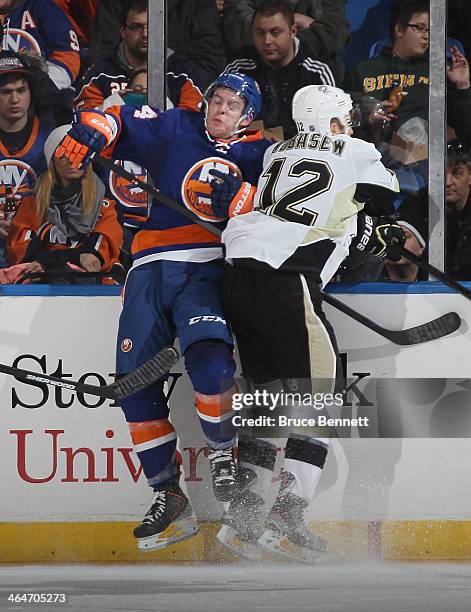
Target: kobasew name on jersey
[313, 141]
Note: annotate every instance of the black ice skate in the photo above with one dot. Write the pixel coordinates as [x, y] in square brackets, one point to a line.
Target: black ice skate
[170, 519]
[286, 533]
[223, 473]
[243, 521]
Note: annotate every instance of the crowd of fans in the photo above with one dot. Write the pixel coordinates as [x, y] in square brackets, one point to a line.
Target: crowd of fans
[59, 56]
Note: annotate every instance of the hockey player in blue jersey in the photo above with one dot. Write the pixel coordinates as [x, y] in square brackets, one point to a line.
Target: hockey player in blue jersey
[173, 287]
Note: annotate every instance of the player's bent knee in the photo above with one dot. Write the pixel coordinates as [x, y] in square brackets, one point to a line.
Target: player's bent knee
[145, 405]
[210, 366]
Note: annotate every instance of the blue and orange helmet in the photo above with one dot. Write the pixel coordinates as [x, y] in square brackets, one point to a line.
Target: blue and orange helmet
[244, 86]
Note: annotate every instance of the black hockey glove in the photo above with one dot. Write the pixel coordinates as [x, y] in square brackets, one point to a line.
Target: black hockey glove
[230, 196]
[390, 239]
[379, 236]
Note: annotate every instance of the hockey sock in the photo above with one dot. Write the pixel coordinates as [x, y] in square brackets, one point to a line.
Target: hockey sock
[153, 436]
[155, 445]
[211, 368]
[305, 459]
[256, 460]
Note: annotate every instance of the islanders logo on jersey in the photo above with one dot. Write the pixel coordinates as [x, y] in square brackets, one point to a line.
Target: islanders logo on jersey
[20, 41]
[126, 192]
[196, 186]
[17, 174]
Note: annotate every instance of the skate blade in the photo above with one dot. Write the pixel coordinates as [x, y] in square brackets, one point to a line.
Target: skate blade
[175, 532]
[278, 544]
[229, 538]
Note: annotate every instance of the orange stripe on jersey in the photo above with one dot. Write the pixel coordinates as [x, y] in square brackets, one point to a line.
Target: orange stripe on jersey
[32, 137]
[187, 234]
[71, 59]
[190, 97]
[214, 406]
[150, 430]
[44, 231]
[90, 97]
[252, 135]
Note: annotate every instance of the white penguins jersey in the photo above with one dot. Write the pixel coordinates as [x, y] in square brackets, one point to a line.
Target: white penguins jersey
[305, 195]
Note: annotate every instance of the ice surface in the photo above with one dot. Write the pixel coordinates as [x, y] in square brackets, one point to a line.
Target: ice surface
[244, 587]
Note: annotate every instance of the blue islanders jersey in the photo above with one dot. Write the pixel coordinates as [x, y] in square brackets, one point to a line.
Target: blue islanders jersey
[178, 154]
[21, 168]
[42, 28]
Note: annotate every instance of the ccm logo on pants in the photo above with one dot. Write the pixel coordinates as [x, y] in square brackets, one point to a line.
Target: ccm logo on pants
[207, 318]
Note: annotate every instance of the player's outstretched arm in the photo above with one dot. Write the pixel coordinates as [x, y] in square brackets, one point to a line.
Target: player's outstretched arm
[379, 236]
[230, 196]
[91, 132]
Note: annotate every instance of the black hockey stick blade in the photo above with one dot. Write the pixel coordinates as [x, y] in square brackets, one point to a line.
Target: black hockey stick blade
[130, 383]
[438, 274]
[156, 193]
[432, 330]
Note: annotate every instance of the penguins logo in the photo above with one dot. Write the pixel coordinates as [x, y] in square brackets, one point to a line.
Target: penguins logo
[196, 188]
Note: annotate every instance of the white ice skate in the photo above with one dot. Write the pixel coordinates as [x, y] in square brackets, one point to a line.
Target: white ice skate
[170, 519]
[286, 533]
[242, 525]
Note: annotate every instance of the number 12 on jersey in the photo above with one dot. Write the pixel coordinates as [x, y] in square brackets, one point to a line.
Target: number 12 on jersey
[290, 200]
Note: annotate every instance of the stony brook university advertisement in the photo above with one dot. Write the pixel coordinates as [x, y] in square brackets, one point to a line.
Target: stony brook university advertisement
[67, 456]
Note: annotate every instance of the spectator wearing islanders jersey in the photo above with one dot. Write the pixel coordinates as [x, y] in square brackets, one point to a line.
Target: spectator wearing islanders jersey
[112, 74]
[81, 14]
[42, 27]
[69, 224]
[22, 136]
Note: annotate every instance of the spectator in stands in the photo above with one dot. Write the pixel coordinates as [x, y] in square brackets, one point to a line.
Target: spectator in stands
[319, 24]
[195, 45]
[195, 40]
[22, 136]
[112, 74]
[280, 63]
[458, 208]
[81, 14]
[399, 79]
[131, 201]
[42, 27]
[414, 225]
[69, 224]
[105, 30]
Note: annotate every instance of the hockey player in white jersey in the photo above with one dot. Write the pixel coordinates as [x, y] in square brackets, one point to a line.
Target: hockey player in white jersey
[305, 218]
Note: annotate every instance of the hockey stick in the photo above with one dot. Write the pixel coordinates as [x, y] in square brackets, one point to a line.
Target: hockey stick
[442, 326]
[144, 375]
[438, 274]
